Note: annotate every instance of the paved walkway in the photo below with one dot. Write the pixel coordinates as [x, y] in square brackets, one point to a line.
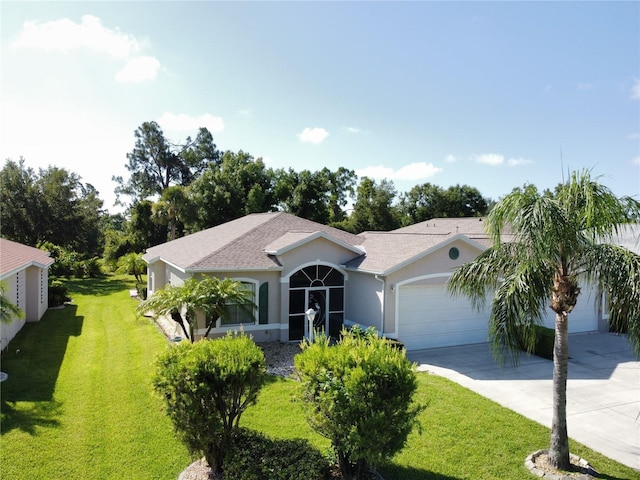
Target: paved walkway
[603, 389]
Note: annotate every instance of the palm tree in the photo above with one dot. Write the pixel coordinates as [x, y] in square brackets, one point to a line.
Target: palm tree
[210, 295]
[214, 295]
[8, 310]
[171, 207]
[556, 243]
[132, 264]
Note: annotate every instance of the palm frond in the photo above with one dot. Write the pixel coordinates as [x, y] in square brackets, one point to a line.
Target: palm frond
[518, 306]
[617, 271]
[595, 208]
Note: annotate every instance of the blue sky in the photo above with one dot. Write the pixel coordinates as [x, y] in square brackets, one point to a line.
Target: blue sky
[488, 94]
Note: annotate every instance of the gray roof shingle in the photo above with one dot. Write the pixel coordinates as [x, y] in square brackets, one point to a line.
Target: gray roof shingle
[240, 244]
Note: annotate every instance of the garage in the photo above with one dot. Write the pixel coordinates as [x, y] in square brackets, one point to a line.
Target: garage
[428, 317]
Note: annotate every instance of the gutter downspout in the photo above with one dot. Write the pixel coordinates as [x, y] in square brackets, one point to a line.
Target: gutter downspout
[384, 296]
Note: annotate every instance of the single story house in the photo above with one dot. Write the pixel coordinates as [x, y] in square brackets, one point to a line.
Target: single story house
[393, 281]
[24, 271]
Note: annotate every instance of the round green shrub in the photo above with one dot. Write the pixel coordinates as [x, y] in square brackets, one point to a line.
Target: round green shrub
[206, 386]
[360, 396]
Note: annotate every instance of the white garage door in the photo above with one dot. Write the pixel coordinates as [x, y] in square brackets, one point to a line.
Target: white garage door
[428, 317]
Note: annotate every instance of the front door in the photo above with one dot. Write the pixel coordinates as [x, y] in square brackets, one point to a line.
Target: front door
[317, 299]
[320, 287]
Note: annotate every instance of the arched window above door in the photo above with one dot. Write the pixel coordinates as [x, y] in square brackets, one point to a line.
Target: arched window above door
[316, 276]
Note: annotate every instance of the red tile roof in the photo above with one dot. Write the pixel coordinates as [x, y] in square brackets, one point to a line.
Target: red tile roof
[16, 256]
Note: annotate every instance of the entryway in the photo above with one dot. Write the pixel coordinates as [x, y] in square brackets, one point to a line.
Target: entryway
[320, 287]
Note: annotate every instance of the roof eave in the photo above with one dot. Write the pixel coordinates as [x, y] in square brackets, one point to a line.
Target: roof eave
[43, 266]
[233, 269]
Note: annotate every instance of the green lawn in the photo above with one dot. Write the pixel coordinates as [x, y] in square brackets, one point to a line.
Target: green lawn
[79, 404]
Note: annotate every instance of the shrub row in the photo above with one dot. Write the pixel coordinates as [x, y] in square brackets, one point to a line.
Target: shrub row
[359, 392]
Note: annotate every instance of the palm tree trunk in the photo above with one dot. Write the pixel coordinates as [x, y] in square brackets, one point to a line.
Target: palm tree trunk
[212, 324]
[178, 319]
[559, 447]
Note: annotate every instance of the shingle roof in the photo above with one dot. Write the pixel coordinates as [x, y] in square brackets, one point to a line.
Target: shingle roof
[387, 250]
[471, 226]
[16, 256]
[240, 244]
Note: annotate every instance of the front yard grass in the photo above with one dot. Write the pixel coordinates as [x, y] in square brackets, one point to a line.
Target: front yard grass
[79, 404]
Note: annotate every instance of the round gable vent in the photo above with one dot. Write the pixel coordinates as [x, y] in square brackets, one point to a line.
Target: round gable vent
[454, 253]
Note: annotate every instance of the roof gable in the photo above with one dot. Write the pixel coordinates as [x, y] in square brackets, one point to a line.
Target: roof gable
[388, 252]
[242, 244]
[292, 240]
[15, 256]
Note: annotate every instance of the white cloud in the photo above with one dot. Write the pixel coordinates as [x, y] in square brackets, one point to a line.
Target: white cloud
[413, 171]
[313, 135]
[515, 162]
[636, 161]
[583, 87]
[451, 158]
[185, 123]
[65, 35]
[495, 159]
[489, 159]
[635, 90]
[353, 129]
[633, 136]
[139, 69]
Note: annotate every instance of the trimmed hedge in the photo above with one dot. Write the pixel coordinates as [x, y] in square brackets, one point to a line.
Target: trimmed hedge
[58, 293]
[257, 457]
[544, 340]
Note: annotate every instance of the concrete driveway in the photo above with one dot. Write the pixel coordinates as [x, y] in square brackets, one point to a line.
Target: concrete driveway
[603, 389]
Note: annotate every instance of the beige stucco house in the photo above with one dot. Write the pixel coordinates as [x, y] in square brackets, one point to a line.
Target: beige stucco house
[393, 281]
[25, 272]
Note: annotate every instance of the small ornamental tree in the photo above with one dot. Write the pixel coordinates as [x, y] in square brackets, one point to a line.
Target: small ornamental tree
[132, 264]
[207, 386]
[360, 392]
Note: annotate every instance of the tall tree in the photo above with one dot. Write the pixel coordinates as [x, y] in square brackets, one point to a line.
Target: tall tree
[237, 186]
[319, 196]
[374, 208]
[141, 231]
[559, 243]
[427, 201]
[463, 201]
[422, 202]
[50, 206]
[304, 194]
[341, 186]
[155, 163]
[20, 201]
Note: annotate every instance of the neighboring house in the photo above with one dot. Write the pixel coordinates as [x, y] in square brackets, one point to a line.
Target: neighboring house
[394, 281]
[24, 271]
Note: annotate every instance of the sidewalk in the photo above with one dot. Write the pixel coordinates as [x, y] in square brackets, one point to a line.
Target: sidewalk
[603, 389]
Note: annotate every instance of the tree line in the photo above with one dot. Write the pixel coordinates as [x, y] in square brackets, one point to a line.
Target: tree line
[176, 189]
